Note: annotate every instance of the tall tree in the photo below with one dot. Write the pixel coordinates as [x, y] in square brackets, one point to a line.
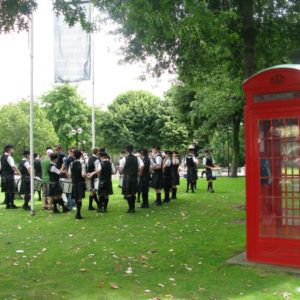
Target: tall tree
[15, 119]
[67, 111]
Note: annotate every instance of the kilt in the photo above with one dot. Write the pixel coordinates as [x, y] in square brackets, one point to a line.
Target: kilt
[78, 190]
[191, 175]
[143, 185]
[157, 181]
[105, 187]
[175, 179]
[167, 180]
[209, 174]
[54, 189]
[25, 185]
[8, 184]
[130, 185]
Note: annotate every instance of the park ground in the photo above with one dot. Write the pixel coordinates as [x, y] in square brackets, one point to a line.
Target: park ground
[176, 251]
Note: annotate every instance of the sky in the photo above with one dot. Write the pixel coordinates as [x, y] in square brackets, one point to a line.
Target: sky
[111, 78]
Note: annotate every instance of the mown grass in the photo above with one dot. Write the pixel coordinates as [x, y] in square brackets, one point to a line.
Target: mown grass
[178, 250]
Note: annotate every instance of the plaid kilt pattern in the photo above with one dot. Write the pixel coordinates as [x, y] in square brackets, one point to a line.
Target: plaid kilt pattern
[78, 190]
[8, 184]
[105, 187]
[130, 185]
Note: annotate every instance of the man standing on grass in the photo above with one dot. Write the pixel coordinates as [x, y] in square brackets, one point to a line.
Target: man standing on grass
[46, 179]
[191, 163]
[8, 169]
[157, 177]
[209, 165]
[131, 167]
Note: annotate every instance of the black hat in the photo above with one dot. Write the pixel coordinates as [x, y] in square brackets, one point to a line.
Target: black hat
[149, 151]
[207, 151]
[102, 150]
[53, 156]
[26, 152]
[175, 152]
[123, 152]
[156, 147]
[191, 149]
[103, 154]
[9, 146]
[129, 147]
[168, 152]
[77, 154]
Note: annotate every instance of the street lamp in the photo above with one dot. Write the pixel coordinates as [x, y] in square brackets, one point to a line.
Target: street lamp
[76, 132]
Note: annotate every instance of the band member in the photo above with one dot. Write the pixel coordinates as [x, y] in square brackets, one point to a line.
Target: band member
[175, 174]
[24, 167]
[157, 178]
[8, 168]
[105, 170]
[46, 179]
[60, 158]
[37, 169]
[191, 163]
[144, 180]
[167, 165]
[77, 170]
[67, 162]
[131, 167]
[209, 165]
[54, 186]
[93, 165]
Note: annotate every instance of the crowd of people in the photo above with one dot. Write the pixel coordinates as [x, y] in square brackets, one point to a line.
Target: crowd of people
[70, 176]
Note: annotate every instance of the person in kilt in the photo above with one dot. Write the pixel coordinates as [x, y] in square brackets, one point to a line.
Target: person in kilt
[104, 171]
[131, 167]
[24, 167]
[209, 165]
[77, 170]
[8, 169]
[144, 179]
[167, 179]
[191, 163]
[37, 170]
[93, 164]
[157, 176]
[175, 180]
[55, 190]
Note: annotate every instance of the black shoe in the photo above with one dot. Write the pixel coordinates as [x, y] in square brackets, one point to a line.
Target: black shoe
[91, 208]
[78, 217]
[66, 209]
[56, 211]
[166, 201]
[212, 191]
[99, 210]
[156, 203]
[187, 191]
[13, 206]
[105, 210]
[143, 206]
[193, 192]
[7, 206]
[26, 207]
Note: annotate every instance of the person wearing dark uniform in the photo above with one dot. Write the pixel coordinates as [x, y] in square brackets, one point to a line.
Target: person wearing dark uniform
[77, 170]
[209, 165]
[37, 169]
[67, 162]
[54, 185]
[92, 166]
[191, 163]
[175, 180]
[24, 167]
[60, 159]
[157, 176]
[8, 168]
[144, 179]
[131, 167]
[167, 167]
[105, 170]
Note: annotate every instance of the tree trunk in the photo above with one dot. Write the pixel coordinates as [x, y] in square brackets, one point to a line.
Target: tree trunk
[236, 145]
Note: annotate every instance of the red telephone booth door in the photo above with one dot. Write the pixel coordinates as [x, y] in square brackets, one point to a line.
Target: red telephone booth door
[272, 127]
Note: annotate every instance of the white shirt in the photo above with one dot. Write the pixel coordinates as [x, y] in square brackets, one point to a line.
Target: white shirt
[85, 158]
[27, 164]
[113, 169]
[10, 160]
[157, 159]
[96, 163]
[123, 163]
[53, 169]
[83, 167]
[168, 162]
[204, 161]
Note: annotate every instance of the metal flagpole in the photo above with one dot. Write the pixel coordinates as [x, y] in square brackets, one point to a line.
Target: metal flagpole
[93, 79]
[32, 212]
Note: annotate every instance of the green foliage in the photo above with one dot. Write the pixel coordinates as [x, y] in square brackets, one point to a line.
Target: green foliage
[66, 109]
[15, 14]
[15, 123]
[142, 119]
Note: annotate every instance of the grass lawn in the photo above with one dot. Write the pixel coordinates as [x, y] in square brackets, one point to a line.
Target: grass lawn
[175, 251]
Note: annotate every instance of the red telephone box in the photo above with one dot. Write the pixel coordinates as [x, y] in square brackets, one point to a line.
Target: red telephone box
[272, 143]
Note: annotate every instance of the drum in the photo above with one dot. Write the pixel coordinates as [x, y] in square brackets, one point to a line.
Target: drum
[121, 180]
[66, 185]
[37, 184]
[216, 172]
[96, 183]
[88, 184]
